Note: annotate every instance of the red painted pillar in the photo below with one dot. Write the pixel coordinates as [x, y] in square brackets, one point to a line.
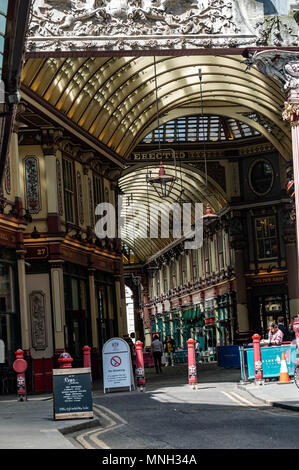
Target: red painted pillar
[65, 360]
[139, 371]
[257, 358]
[192, 371]
[20, 366]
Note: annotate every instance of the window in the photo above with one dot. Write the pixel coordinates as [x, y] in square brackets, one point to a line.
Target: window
[97, 190]
[68, 180]
[194, 255]
[266, 237]
[165, 280]
[184, 269]
[261, 177]
[207, 258]
[220, 250]
[158, 284]
[173, 274]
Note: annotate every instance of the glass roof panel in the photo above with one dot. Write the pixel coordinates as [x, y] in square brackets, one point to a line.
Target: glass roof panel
[200, 129]
[3, 6]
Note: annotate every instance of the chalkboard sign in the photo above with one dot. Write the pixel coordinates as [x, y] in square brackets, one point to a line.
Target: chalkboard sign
[72, 396]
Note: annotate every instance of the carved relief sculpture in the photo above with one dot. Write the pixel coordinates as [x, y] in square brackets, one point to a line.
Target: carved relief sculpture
[38, 320]
[146, 24]
[32, 184]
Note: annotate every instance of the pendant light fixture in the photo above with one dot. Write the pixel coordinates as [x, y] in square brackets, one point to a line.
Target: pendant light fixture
[162, 183]
[209, 215]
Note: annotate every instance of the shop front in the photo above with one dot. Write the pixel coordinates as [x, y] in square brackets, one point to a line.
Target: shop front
[78, 324]
[9, 310]
[269, 300]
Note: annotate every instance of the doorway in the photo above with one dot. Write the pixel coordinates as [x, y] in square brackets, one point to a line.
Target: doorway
[269, 308]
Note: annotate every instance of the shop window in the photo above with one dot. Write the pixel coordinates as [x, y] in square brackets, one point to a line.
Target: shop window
[68, 180]
[6, 295]
[266, 238]
[8, 319]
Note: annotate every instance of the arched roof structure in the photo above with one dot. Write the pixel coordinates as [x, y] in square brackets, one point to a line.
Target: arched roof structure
[114, 99]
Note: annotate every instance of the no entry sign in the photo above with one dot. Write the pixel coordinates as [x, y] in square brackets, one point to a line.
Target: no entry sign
[117, 366]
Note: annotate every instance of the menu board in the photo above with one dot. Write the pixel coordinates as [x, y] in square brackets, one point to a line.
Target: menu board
[72, 396]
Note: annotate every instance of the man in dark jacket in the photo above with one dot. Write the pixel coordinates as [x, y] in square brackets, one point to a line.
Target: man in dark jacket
[283, 328]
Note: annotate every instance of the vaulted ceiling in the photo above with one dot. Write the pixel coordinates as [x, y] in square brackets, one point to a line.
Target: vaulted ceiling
[113, 99]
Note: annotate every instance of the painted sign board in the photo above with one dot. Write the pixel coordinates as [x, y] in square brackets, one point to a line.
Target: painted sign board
[72, 396]
[271, 360]
[117, 365]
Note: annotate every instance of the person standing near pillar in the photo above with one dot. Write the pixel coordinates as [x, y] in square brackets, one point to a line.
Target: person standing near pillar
[157, 351]
[169, 349]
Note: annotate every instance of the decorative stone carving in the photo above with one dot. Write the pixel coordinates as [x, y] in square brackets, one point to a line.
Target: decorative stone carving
[281, 65]
[38, 320]
[290, 110]
[154, 24]
[32, 185]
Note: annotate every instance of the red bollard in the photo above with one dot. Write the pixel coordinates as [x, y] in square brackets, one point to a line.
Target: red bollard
[86, 359]
[192, 371]
[65, 360]
[20, 366]
[257, 358]
[86, 356]
[139, 371]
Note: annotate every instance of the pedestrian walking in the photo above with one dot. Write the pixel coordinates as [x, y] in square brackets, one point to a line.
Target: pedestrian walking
[157, 351]
[169, 349]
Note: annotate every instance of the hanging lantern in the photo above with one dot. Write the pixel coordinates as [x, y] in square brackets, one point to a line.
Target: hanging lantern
[162, 183]
[209, 215]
